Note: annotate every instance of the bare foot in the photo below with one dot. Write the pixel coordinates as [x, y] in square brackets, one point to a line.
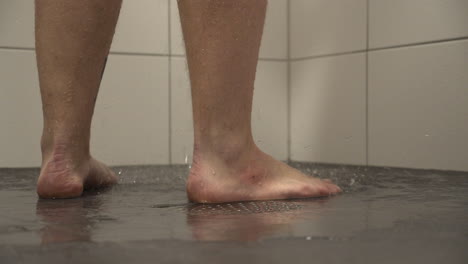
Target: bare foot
[64, 177]
[250, 175]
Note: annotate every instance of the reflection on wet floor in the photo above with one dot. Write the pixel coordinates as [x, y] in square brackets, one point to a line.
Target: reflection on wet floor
[379, 205]
[244, 221]
[64, 221]
[73, 220]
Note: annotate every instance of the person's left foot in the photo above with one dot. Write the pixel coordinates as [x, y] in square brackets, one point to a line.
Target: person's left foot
[65, 177]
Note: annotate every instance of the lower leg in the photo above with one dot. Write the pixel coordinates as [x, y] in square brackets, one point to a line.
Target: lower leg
[222, 39]
[72, 41]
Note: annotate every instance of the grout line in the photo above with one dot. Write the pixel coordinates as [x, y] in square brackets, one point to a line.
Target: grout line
[273, 59]
[276, 59]
[138, 54]
[381, 48]
[178, 55]
[15, 48]
[141, 53]
[422, 43]
[260, 59]
[367, 84]
[111, 52]
[288, 76]
[328, 55]
[169, 41]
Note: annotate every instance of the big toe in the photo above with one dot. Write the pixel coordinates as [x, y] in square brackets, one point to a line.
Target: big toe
[325, 188]
[333, 188]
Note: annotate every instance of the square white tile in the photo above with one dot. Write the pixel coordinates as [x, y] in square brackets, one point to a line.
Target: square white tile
[400, 22]
[20, 110]
[321, 27]
[131, 122]
[177, 39]
[270, 108]
[181, 113]
[269, 114]
[143, 27]
[418, 106]
[328, 109]
[274, 40]
[274, 43]
[17, 24]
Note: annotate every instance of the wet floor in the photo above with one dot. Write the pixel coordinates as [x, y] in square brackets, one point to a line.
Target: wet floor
[384, 216]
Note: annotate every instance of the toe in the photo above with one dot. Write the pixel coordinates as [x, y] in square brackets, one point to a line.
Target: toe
[334, 188]
[325, 190]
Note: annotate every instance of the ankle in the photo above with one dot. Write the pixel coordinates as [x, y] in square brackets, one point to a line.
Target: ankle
[69, 150]
[228, 148]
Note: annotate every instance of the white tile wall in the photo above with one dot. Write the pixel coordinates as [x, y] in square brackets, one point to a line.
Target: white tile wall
[143, 27]
[399, 22]
[131, 118]
[274, 42]
[131, 122]
[17, 24]
[20, 110]
[418, 97]
[327, 26]
[269, 115]
[418, 106]
[328, 109]
[328, 96]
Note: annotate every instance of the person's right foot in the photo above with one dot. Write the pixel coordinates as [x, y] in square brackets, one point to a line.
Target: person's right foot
[64, 177]
[249, 175]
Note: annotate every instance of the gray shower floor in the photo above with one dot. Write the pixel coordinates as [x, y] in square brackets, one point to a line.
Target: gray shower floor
[385, 215]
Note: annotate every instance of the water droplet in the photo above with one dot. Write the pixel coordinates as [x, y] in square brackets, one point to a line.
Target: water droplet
[308, 238]
[186, 159]
[120, 172]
